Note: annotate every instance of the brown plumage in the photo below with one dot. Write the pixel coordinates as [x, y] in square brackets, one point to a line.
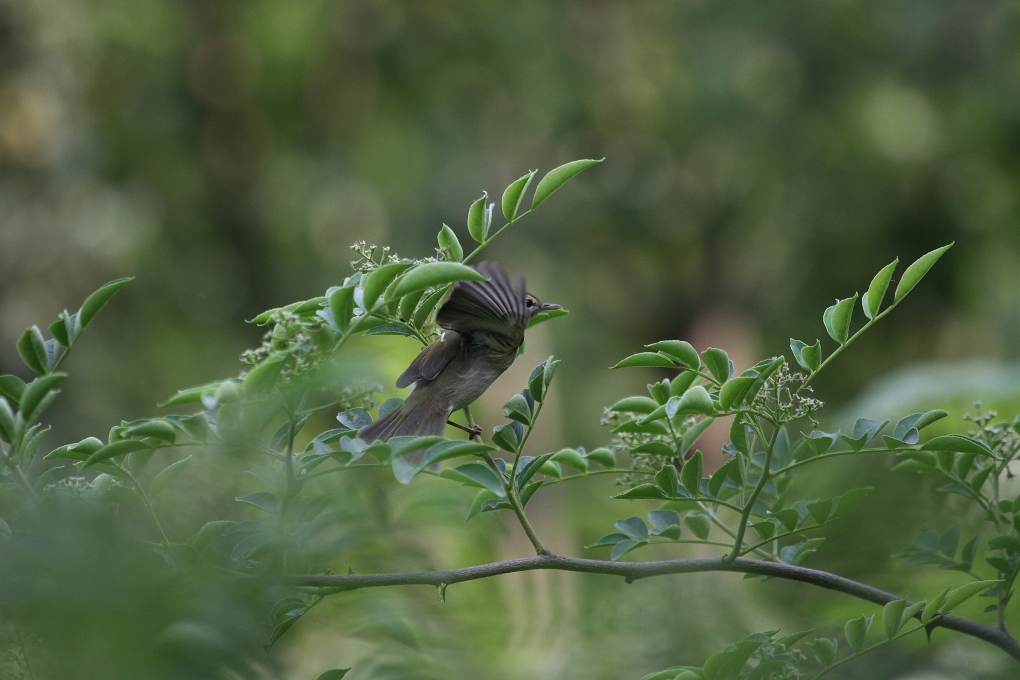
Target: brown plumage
[484, 323]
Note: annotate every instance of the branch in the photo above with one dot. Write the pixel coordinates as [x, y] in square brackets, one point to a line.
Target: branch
[632, 571]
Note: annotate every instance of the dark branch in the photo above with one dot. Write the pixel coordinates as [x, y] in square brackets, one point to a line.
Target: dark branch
[632, 571]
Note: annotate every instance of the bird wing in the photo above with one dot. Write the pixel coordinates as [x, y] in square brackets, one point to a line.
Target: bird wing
[493, 306]
[433, 359]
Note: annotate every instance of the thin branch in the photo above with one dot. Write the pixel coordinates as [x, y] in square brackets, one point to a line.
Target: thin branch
[632, 571]
[738, 541]
[481, 246]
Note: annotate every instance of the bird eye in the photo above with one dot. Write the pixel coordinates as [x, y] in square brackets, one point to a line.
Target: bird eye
[530, 303]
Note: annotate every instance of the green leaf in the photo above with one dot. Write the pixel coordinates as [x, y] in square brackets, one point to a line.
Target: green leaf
[377, 281]
[928, 418]
[655, 427]
[557, 177]
[681, 383]
[667, 480]
[693, 433]
[699, 524]
[263, 500]
[634, 527]
[12, 387]
[696, 400]
[683, 352]
[7, 427]
[788, 517]
[624, 547]
[80, 451]
[825, 651]
[872, 301]
[808, 356]
[856, 630]
[690, 475]
[718, 363]
[665, 523]
[767, 368]
[666, 410]
[341, 307]
[820, 510]
[933, 607]
[401, 447]
[32, 348]
[285, 622]
[514, 193]
[159, 428]
[572, 458]
[478, 475]
[121, 448]
[965, 592]
[167, 475]
[838, 323]
[916, 271]
[434, 274]
[517, 408]
[544, 316]
[263, 377]
[335, 674]
[603, 457]
[642, 492]
[848, 498]
[59, 330]
[408, 303]
[819, 442]
[95, 302]
[528, 467]
[892, 616]
[449, 242]
[421, 314]
[536, 381]
[505, 437]
[864, 431]
[959, 444]
[911, 611]
[718, 478]
[39, 394]
[607, 540]
[764, 529]
[738, 435]
[476, 219]
[646, 359]
[642, 405]
[1007, 542]
[733, 390]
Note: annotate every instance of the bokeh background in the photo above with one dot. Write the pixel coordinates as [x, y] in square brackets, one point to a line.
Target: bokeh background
[762, 160]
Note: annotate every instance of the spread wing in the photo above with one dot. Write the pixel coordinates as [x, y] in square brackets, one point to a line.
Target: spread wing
[432, 359]
[494, 306]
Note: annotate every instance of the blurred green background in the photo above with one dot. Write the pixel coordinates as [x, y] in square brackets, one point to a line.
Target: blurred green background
[762, 159]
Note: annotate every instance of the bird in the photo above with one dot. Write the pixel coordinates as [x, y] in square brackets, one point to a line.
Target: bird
[483, 324]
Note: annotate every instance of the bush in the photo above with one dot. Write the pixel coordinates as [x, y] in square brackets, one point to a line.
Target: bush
[107, 573]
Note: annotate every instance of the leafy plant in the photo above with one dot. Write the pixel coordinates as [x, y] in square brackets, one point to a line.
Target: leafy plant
[746, 510]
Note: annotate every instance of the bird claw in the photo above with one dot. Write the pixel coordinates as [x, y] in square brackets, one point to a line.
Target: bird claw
[475, 431]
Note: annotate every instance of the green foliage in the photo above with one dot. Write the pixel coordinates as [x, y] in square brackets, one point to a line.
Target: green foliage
[289, 520]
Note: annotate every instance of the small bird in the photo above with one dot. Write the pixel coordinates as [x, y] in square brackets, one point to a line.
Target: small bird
[484, 324]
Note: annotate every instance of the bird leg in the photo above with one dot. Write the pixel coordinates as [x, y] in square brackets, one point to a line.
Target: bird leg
[472, 431]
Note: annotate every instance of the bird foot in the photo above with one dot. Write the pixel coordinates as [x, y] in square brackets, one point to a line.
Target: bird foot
[475, 431]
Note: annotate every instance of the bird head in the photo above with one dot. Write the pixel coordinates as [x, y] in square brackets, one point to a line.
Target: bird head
[534, 305]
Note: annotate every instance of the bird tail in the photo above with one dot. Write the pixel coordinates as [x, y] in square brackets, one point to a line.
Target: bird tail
[414, 419]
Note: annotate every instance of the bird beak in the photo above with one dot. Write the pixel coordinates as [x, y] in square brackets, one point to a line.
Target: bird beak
[549, 305]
